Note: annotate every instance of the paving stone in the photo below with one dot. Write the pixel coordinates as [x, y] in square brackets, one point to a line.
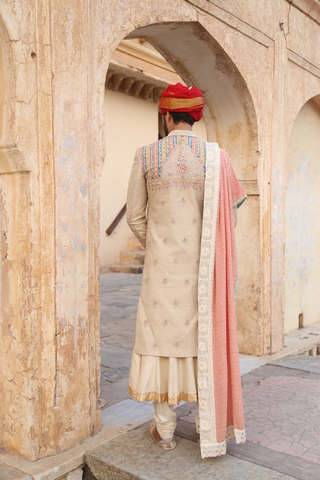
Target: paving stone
[115, 356]
[116, 392]
[116, 374]
[280, 462]
[120, 302]
[135, 455]
[116, 329]
[299, 362]
[10, 473]
[282, 411]
[119, 341]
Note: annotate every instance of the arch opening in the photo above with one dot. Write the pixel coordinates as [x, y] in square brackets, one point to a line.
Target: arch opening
[302, 231]
[230, 119]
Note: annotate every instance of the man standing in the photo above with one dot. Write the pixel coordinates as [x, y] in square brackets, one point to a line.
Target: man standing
[181, 201]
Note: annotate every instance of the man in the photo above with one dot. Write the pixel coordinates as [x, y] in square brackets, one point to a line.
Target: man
[185, 345]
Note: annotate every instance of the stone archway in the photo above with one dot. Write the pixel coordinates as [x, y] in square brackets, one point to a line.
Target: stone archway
[302, 231]
[231, 120]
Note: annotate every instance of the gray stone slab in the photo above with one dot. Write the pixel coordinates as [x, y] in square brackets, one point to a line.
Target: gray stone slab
[116, 374]
[114, 280]
[281, 462]
[119, 302]
[119, 341]
[115, 392]
[106, 330]
[299, 362]
[135, 455]
[115, 356]
[10, 473]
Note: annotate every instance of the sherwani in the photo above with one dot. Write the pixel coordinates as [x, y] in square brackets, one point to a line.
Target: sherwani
[164, 210]
[185, 344]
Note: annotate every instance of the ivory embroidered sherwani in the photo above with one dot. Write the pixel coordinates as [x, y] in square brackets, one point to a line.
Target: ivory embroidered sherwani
[170, 188]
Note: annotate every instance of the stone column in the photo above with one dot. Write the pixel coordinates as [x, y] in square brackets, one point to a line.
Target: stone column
[77, 316]
[277, 184]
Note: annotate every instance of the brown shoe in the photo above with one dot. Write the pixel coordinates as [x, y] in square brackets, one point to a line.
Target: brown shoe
[170, 445]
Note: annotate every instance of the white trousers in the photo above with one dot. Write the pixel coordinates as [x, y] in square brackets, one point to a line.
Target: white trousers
[165, 419]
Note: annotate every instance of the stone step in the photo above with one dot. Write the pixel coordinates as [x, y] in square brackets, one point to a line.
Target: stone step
[132, 258]
[134, 245]
[121, 269]
[135, 455]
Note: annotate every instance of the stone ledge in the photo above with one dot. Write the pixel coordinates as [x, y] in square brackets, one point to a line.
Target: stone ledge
[135, 456]
[11, 473]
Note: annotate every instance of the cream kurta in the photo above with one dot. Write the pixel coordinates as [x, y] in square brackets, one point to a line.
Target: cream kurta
[168, 178]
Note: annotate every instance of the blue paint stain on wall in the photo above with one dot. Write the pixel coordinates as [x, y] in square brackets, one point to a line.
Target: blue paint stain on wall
[300, 215]
[76, 189]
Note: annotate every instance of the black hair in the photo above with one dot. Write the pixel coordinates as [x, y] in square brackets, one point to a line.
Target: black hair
[182, 117]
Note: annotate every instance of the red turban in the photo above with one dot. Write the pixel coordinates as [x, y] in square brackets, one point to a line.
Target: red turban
[178, 98]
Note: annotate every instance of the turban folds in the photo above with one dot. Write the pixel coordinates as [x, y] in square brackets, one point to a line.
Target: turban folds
[178, 98]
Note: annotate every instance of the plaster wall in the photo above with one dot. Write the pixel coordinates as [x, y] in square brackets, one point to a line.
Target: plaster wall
[130, 123]
[302, 259]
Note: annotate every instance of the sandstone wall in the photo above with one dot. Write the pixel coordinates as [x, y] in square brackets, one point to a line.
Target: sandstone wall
[257, 63]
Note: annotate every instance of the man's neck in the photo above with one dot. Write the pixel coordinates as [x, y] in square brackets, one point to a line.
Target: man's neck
[182, 126]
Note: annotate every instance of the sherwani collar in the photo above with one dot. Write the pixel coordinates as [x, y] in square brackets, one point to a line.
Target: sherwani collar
[188, 133]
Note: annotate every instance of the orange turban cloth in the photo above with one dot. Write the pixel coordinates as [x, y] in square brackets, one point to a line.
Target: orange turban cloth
[178, 98]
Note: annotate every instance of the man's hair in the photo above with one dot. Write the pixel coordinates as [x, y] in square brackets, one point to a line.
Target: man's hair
[182, 117]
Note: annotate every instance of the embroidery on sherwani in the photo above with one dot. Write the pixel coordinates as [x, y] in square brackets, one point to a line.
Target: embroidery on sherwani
[175, 161]
[219, 384]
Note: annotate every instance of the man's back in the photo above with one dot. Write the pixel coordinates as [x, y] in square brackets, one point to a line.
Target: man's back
[173, 171]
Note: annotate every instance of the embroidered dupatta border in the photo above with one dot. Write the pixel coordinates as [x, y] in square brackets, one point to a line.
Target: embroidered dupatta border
[206, 394]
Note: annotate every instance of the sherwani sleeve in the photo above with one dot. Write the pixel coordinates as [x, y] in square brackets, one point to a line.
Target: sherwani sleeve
[137, 198]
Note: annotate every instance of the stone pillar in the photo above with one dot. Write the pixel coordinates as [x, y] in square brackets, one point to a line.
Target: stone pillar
[77, 315]
[277, 184]
[49, 332]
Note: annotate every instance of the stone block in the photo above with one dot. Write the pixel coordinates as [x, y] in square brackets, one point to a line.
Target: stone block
[306, 362]
[115, 357]
[76, 474]
[10, 473]
[135, 455]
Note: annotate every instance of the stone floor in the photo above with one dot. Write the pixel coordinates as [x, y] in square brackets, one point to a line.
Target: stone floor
[281, 402]
[119, 294]
[282, 417]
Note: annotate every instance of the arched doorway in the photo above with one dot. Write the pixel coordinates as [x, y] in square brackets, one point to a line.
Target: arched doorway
[231, 120]
[302, 262]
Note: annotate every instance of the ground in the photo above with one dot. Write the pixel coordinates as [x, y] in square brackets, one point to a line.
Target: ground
[119, 296]
[281, 403]
[281, 395]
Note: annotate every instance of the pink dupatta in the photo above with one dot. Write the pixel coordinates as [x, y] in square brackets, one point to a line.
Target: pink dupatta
[219, 383]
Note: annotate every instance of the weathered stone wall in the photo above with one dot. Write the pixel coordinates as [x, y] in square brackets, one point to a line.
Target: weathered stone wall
[256, 64]
[302, 260]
